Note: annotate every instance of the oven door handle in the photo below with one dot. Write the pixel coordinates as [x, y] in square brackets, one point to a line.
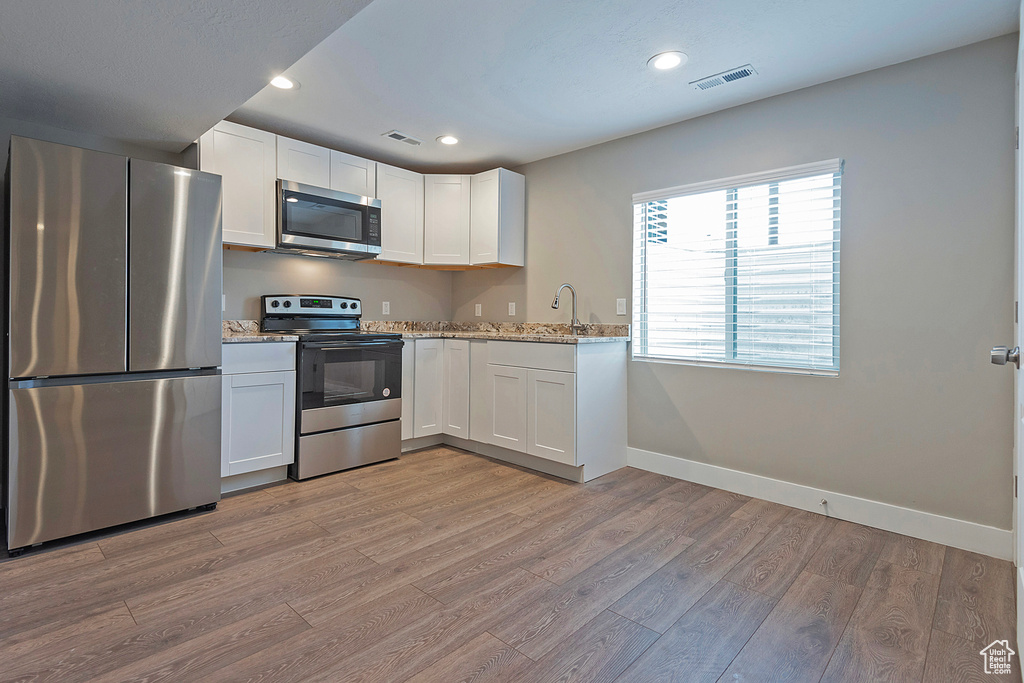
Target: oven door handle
[347, 347]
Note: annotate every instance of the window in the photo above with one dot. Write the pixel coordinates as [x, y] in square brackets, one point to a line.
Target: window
[741, 272]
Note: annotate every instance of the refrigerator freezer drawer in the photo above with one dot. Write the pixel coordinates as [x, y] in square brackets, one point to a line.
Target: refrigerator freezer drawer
[88, 456]
[332, 451]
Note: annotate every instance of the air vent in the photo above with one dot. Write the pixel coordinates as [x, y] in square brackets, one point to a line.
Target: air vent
[724, 77]
[402, 137]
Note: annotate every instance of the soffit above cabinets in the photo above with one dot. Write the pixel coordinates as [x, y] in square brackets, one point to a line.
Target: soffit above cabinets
[158, 74]
[521, 80]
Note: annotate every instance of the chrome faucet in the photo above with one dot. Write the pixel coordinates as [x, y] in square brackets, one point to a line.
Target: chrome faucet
[576, 326]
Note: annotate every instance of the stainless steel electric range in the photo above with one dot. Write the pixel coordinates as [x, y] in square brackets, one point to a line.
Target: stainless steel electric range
[349, 383]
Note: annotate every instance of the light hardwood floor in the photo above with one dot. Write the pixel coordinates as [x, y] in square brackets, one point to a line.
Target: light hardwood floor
[445, 566]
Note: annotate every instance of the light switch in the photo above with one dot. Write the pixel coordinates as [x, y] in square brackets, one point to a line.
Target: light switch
[620, 307]
[387, 308]
[478, 310]
[511, 307]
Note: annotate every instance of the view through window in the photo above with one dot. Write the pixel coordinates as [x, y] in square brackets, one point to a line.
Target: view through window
[742, 271]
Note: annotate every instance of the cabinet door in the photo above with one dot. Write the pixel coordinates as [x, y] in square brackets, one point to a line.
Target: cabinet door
[401, 197]
[446, 211]
[479, 406]
[428, 385]
[551, 405]
[455, 406]
[353, 174]
[507, 397]
[258, 421]
[302, 162]
[498, 218]
[408, 388]
[246, 160]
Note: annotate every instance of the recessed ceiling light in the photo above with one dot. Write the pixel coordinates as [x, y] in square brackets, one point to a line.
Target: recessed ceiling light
[448, 140]
[283, 83]
[664, 61]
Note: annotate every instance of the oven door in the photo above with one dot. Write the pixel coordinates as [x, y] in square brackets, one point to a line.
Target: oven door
[325, 220]
[348, 373]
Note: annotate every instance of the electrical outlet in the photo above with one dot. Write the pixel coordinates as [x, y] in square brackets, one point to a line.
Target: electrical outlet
[511, 307]
[478, 310]
[620, 307]
[387, 308]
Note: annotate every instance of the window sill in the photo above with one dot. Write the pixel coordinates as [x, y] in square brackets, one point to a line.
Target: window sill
[739, 366]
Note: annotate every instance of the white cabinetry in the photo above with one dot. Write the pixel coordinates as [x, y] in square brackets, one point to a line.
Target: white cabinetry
[551, 415]
[428, 387]
[562, 406]
[408, 388]
[507, 402]
[302, 162]
[246, 160]
[353, 174]
[446, 219]
[401, 195]
[455, 406]
[498, 218]
[258, 407]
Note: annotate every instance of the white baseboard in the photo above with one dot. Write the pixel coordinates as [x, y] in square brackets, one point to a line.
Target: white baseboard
[1020, 606]
[958, 533]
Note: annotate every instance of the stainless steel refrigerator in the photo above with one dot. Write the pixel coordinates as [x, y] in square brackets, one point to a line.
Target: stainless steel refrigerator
[113, 340]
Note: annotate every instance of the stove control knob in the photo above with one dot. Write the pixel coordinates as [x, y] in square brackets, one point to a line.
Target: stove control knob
[275, 303]
[344, 304]
[287, 304]
[354, 305]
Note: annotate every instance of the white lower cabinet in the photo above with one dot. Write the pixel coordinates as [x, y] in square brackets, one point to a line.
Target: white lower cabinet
[455, 387]
[551, 415]
[507, 399]
[408, 388]
[258, 407]
[428, 386]
[561, 403]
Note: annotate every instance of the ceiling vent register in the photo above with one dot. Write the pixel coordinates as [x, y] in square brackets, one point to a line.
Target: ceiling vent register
[724, 77]
[402, 137]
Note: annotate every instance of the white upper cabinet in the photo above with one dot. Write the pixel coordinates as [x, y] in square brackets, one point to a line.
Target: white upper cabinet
[498, 222]
[353, 174]
[401, 197]
[446, 219]
[303, 163]
[246, 160]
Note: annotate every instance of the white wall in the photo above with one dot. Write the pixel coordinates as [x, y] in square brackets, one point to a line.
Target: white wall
[918, 417]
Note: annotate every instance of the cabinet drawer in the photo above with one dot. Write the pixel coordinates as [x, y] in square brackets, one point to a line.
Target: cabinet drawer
[258, 357]
[540, 356]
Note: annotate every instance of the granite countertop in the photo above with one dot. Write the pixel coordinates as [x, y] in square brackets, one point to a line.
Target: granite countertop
[556, 333]
[238, 331]
[552, 333]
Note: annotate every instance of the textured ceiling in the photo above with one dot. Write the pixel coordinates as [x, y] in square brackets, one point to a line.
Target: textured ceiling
[154, 72]
[520, 80]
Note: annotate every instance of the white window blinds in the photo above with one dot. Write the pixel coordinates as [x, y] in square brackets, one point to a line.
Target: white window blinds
[742, 271]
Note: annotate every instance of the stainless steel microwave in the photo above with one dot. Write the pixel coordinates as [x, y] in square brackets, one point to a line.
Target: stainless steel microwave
[314, 220]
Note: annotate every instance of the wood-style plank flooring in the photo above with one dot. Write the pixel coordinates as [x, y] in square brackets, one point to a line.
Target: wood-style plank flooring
[445, 566]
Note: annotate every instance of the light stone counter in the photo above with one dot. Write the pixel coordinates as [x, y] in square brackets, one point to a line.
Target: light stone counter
[557, 333]
[239, 331]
